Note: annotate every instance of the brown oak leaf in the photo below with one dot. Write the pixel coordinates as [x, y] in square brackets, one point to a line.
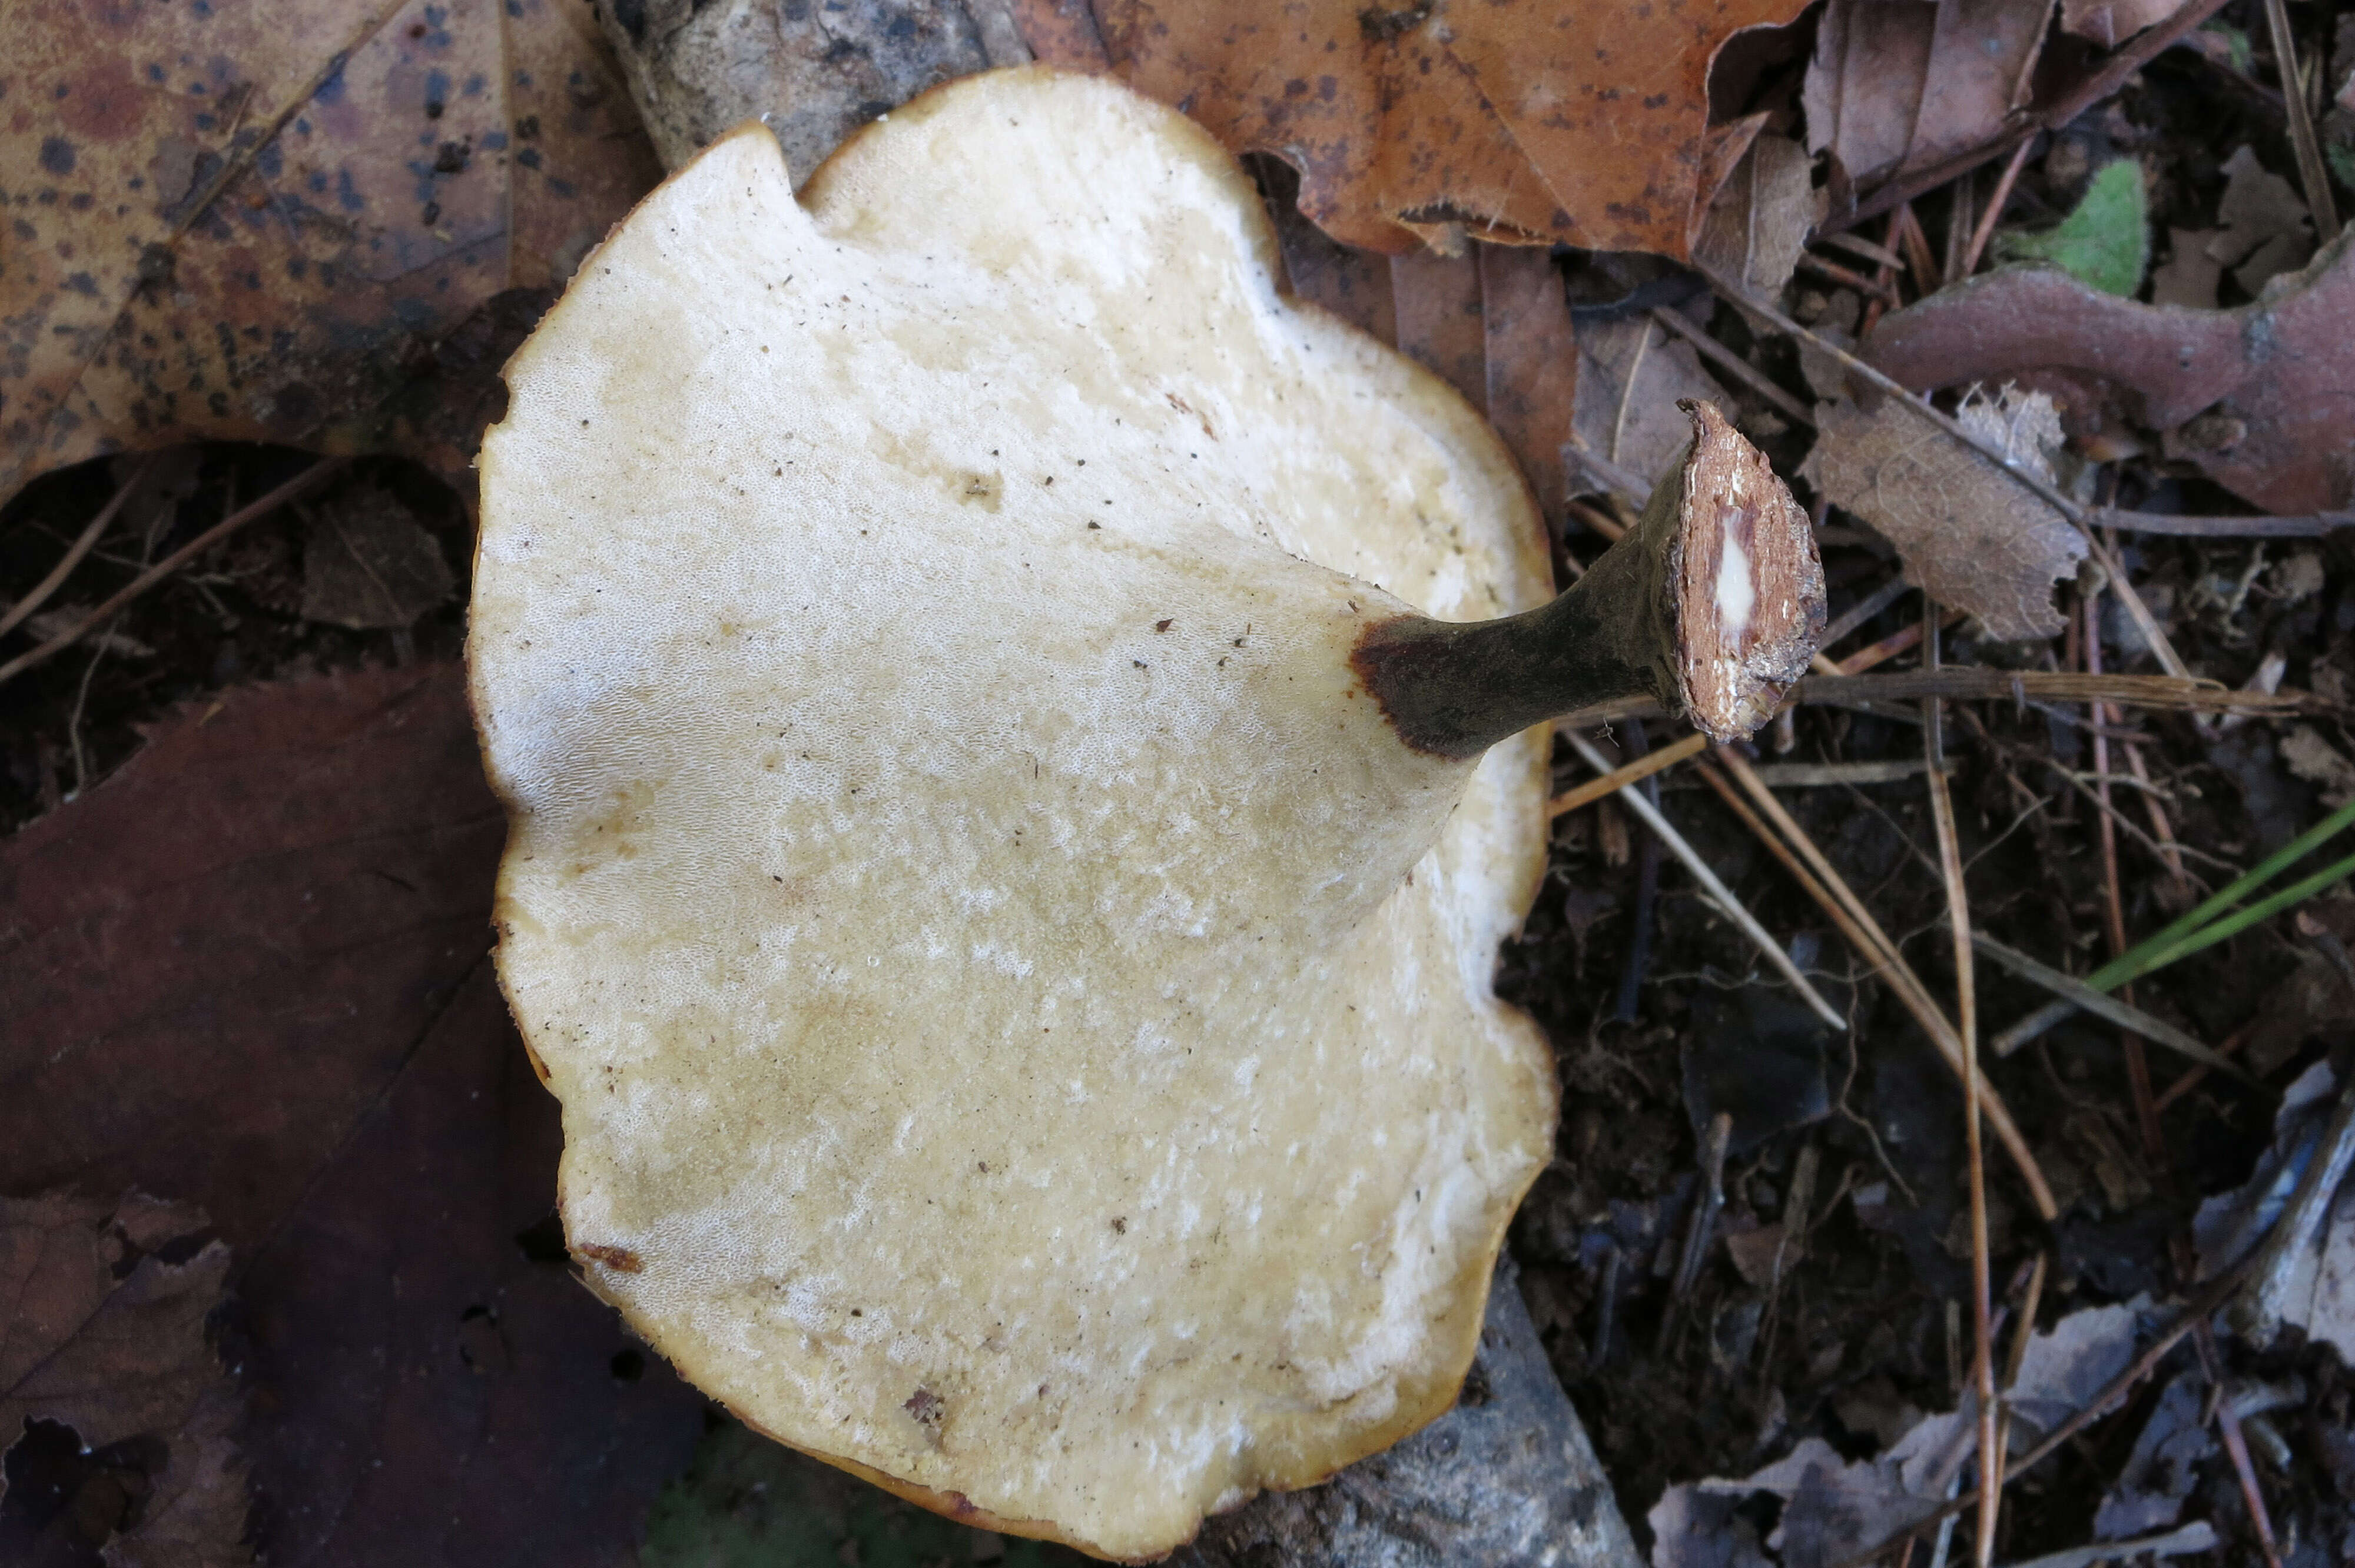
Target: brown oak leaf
[1581, 122]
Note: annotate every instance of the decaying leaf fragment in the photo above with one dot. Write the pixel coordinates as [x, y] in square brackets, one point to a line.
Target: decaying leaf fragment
[1583, 123]
[368, 563]
[113, 1358]
[2262, 397]
[1971, 537]
[259, 222]
[1759, 221]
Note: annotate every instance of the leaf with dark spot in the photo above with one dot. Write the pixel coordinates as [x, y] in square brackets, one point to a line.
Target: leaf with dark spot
[184, 154]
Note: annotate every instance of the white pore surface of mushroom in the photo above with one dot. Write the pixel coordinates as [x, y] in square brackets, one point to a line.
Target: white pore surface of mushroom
[1023, 1017]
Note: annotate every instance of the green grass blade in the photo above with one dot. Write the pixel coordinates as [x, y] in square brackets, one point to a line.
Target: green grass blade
[2130, 963]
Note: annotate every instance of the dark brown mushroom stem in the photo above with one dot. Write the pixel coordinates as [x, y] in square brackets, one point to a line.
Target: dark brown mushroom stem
[1713, 603]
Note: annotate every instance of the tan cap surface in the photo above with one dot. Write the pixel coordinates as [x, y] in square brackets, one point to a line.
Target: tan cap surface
[1023, 1020]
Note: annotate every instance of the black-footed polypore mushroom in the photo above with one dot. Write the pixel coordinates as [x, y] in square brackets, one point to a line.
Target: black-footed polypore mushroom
[1004, 876]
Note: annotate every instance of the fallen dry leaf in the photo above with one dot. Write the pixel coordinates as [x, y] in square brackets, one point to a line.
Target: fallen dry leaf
[1758, 224]
[251, 969]
[2265, 228]
[2273, 382]
[1833, 1508]
[1896, 84]
[2319, 1297]
[2309, 757]
[1631, 376]
[368, 563]
[259, 222]
[1585, 124]
[108, 1340]
[1971, 537]
[2189, 276]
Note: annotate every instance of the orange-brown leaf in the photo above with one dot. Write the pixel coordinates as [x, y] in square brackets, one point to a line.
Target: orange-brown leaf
[1579, 122]
[259, 221]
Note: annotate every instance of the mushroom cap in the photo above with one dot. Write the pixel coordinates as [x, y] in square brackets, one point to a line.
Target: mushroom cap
[1024, 1021]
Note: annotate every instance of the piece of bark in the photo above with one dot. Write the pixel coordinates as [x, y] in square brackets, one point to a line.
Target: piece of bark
[816, 73]
[1506, 1478]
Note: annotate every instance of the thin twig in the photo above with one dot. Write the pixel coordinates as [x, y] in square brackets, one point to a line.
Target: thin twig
[1627, 392]
[2137, 1064]
[2313, 526]
[1618, 481]
[170, 564]
[2021, 1334]
[1972, 683]
[1827, 888]
[2197, 1536]
[2313, 176]
[2154, 636]
[1967, 1028]
[1865, 609]
[1985, 229]
[1619, 778]
[1833, 272]
[1700, 1229]
[84, 543]
[1735, 911]
[2104, 1005]
[1928, 277]
[1858, 245]
[1733, 364]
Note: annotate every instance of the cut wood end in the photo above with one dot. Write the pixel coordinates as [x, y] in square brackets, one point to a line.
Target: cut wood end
[1748, 585]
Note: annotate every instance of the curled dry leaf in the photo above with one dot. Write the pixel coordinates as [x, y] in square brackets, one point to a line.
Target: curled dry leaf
[1896, 87]
[2262, 397]
[1971, 537]
[102, 1337]
[1586, 123]
[1759, 222]
[366, 562]
[2266, 230]
[259, 222]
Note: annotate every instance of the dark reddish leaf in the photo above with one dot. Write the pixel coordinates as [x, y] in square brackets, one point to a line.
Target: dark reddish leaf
[252, 970]
[2262, 397]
